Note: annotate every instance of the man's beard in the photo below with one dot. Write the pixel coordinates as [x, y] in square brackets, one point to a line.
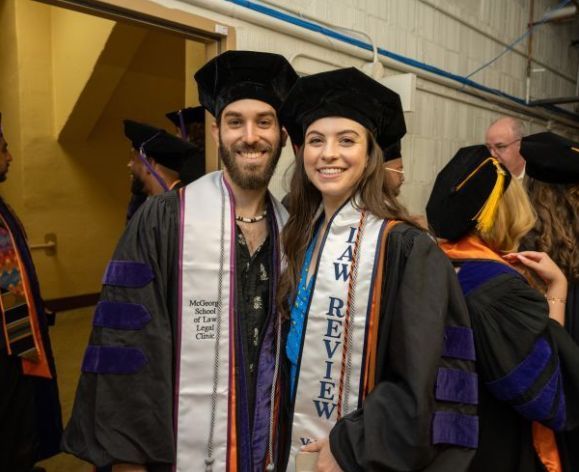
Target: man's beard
[249, 178]
[137, 186]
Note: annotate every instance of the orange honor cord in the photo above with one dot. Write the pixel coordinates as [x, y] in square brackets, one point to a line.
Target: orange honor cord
[347, 318]
[546, 447]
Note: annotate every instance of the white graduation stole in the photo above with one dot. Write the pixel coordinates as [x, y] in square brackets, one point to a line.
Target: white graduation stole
[331, 362]
[206, 262]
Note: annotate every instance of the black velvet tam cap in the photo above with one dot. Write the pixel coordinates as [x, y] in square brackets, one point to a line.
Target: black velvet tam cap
[347, 93]
[138, 133]
[466, 193]
[237, 75]
[189, 115]
[166, 149]
[392, 152]
[551, 158]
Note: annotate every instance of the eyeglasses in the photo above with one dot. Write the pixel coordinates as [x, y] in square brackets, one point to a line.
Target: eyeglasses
[499, 148]
[394, 170]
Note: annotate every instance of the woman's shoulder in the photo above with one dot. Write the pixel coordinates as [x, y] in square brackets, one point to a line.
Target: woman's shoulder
[486, 273]
[403, 229]
[407, 235]
[406, 243]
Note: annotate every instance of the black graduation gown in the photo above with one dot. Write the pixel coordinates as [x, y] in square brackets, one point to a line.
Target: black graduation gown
[30, 415]
[128, 417]
[569, 440]
[193, 167]
[393, 431]
[519, 354]
[572, 311]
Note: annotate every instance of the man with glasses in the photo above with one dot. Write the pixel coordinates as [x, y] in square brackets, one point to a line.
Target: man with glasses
[503, 140]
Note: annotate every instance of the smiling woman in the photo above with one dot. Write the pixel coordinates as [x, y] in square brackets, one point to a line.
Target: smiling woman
[335, 158]
[362, 288]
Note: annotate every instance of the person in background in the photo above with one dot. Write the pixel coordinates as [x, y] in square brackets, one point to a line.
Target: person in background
[30, 416]
[379, 342]
[183, 366]
[190, 125]
[503, 140]
[528, 364]
[394, 177]
[393, 168]
[552, 184]
[156, 160]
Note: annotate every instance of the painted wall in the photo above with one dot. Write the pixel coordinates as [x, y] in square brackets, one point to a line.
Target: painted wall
[455, 35]
[9, 93]
[67, 82]
[79, 43]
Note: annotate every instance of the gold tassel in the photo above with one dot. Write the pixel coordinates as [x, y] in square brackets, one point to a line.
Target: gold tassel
[486, 216]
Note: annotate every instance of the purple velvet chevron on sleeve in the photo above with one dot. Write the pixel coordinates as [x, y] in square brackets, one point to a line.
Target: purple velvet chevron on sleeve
[456, 386]
[113, 360]
[474, 274]
[459, 343]
[128, 274]
[121, 315]
[523, 376]
[546, 405]
[558, 421]
[449, 427]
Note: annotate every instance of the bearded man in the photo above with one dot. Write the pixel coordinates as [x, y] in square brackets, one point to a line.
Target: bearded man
[182, 371]
[157, 158]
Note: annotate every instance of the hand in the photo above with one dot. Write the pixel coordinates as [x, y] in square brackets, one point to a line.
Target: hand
[326, 461]
[540, 263]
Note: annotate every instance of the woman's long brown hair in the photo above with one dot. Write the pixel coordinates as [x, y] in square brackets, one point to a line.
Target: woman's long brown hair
[304, 200]
[556, 231]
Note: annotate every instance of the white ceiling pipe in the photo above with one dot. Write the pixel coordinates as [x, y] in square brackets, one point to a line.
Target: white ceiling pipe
[300, 14]
[560, 14]
[264, 21]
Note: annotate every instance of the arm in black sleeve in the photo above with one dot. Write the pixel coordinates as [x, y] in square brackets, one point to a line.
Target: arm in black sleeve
[525, 359]
[123, 408]
[421, 414]
[568, 351]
